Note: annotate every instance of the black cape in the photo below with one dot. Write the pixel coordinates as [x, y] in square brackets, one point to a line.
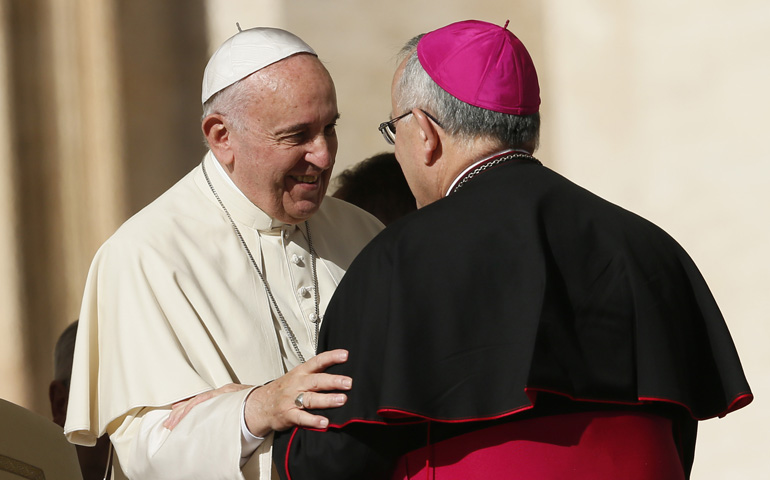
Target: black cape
[520, 285]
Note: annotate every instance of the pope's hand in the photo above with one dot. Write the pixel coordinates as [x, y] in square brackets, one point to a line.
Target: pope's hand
[272, 406]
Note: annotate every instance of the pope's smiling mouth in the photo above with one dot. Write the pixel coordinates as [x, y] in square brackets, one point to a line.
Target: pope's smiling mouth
[305, 178]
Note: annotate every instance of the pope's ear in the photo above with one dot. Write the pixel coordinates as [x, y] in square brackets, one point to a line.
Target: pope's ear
[217, 135]
[429, 136]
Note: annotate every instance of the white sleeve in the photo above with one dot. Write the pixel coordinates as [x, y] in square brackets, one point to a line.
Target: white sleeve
[207, 444]
[249, 441]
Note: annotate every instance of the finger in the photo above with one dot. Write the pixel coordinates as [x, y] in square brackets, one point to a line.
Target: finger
[324, 360]
[308, 420]
[318, 382]
[180, 409]
[173, 418]
[178, 412]
[231, 387]
[316, 400]
[198, 399]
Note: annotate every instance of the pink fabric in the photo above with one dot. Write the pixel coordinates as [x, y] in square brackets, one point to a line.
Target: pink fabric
[482, 64]
[578, 446]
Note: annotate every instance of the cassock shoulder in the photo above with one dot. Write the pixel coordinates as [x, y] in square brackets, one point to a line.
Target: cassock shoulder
[533, 277]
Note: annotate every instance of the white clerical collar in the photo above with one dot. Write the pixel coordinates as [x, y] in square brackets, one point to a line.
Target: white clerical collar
[219, 168]
[244, 208]
[476, 164]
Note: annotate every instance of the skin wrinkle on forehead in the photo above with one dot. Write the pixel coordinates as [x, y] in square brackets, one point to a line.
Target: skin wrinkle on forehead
[266, 80]
[270, 81]
[274, 78]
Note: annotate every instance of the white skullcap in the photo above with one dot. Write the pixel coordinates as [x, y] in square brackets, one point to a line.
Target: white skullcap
[246, 52]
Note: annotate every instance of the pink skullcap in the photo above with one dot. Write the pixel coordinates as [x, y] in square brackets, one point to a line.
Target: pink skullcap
[482, 64]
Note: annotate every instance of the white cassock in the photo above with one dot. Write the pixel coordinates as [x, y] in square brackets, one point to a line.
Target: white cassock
[173, 307]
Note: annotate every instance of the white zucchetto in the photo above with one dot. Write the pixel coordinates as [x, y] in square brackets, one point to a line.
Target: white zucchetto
[246, 52]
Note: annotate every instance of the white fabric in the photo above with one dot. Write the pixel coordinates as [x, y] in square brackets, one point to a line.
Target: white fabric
[152, 435]
[249, 441]
[221, 171]
[246, 52]
[172, 308]
[148, 450]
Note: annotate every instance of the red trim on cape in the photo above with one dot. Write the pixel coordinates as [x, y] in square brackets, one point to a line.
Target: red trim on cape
[288, 450]
[389, 413]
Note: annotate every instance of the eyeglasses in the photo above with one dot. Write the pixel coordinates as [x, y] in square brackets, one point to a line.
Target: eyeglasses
[388, 129]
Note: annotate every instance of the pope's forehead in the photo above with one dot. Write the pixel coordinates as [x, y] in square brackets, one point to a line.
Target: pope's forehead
[291, 87]
[301, 75]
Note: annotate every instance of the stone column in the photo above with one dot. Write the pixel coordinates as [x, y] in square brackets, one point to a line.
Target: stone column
[13, 386]
[62, 171]
[99, 108]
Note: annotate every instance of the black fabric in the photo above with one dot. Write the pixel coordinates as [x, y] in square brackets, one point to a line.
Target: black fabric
[519, 283]
[359, 451]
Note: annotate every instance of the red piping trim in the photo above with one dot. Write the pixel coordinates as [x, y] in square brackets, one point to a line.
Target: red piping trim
[740, 401]
[288, 449]
[429, 461]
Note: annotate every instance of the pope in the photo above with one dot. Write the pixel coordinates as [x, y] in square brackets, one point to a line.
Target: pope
[200, 316]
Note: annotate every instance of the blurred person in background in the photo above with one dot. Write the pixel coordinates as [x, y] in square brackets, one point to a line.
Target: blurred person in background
[93, 460]
[377, 185]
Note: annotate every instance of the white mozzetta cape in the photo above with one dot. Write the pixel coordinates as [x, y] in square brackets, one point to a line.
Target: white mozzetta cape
[173, 307]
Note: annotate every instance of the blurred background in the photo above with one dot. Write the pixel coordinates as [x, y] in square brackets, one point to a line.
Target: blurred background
[659, 106]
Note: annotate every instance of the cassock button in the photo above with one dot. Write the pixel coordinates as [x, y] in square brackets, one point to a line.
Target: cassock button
[304, 291]
[314, 318]
[296, 259]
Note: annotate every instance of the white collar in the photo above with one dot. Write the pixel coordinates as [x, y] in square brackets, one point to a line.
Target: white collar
[219, 168]
[239, 205]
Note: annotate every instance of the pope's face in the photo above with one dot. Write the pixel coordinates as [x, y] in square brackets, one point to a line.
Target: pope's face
[284, 154]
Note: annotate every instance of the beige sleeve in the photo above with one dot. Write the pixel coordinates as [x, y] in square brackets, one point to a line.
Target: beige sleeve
[205, 445]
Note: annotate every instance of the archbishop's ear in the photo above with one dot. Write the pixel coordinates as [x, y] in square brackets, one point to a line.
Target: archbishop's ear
[218, 137]
[429, 136]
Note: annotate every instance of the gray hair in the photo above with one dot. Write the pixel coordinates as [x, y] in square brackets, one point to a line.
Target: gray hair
[416, 89]
[231, 102]
[63, 353]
